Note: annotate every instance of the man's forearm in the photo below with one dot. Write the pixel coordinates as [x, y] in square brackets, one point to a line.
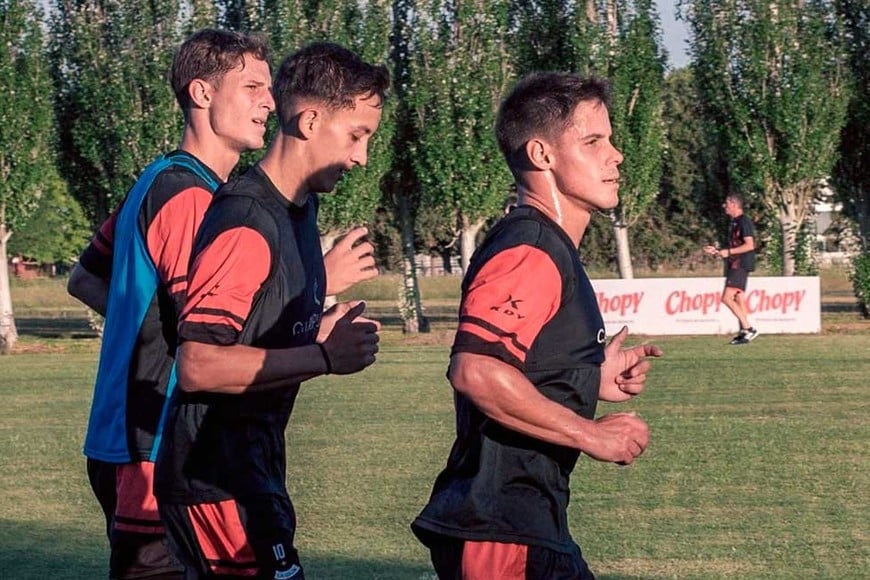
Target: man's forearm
[237, 368]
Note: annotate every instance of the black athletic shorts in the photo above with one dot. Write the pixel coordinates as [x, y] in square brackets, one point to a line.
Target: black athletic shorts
[736, 278]
[137, 538]
[251, 538]
[456, 559]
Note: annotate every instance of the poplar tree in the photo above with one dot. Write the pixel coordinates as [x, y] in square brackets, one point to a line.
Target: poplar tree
[549, 35]
[772, 78]
[852, 173]
[26, 131]
[115, 108]
[284, 22]
[680, 224]
[635, 64]
[401, 186]
[459, 73]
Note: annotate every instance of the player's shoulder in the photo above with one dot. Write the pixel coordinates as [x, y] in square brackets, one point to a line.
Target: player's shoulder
[175, 178]
[246, 188]
[523, 225]
[241, 203]
[526, 225]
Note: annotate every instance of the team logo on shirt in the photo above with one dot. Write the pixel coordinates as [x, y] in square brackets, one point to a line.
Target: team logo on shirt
[510, 307]
[302, 326]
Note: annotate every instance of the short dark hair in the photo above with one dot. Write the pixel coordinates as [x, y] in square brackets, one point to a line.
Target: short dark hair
[327, 73]
[736, 198]
[209, 54]
[542, 104]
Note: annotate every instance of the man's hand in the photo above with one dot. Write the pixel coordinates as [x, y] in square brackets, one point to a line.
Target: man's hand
[349, 339]
[618, 438]
[623, 372]
[351, 260]
[711, 250]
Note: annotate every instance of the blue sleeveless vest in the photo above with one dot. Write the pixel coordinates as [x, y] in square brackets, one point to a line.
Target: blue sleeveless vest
[132, 287]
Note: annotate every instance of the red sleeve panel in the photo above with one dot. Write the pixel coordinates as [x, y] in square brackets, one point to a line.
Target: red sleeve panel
[224, 279]
[170, 238]
[507, 303]
[97, 257]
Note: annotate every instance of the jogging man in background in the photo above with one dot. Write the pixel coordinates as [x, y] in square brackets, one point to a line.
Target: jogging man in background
[739, 259]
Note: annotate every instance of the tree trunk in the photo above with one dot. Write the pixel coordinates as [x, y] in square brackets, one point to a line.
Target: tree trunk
[795, 203]
[789, 231]
[623, 252]
[8, 331]
[623, 248]
[410, 307]
[620, 231]
[591, 11]
[468, 241]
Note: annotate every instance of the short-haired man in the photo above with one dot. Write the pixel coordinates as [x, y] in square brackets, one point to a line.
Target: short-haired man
[254, 328]
[529, 361]
[135, 273]
[739, 259]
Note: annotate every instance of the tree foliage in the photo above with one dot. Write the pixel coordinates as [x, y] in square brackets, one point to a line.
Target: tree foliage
[550, 35]
[459, 72]
[679, 224]
[852, 173]
[115, 108]
[26, 136]
[56, 230]
[771, 75]
[637, 71]
[26, 119]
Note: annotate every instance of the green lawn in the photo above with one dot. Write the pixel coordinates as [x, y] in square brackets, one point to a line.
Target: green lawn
[758, 466]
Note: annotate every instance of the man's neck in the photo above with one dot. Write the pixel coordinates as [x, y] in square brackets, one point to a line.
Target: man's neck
[566, 213]
[282, 165]
[219, 159]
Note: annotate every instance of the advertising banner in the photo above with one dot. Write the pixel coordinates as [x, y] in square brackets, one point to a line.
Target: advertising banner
[776, 305]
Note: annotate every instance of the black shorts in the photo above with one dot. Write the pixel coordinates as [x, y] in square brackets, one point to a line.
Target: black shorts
[456, 559]
[251, 538]
[736, 278]
[137, 538]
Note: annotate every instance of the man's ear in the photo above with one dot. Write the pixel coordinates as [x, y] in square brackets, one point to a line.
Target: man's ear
[200, 93]
[539, 154]
[307, 122]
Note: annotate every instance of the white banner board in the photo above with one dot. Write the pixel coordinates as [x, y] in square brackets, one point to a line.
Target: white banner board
[777, 305]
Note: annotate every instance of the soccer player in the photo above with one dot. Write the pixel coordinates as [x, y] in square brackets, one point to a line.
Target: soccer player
[135, 273]
[739, 259]
[529, 361]
[254, 328]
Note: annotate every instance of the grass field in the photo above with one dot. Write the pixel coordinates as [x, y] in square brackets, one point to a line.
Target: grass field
[758, 466]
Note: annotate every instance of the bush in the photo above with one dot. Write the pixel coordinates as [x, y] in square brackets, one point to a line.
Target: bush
[860, 277]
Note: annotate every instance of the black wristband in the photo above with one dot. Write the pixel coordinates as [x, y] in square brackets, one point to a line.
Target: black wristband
[325, 357]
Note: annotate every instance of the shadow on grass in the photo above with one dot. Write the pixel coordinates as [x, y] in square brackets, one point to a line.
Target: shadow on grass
[36, 551]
